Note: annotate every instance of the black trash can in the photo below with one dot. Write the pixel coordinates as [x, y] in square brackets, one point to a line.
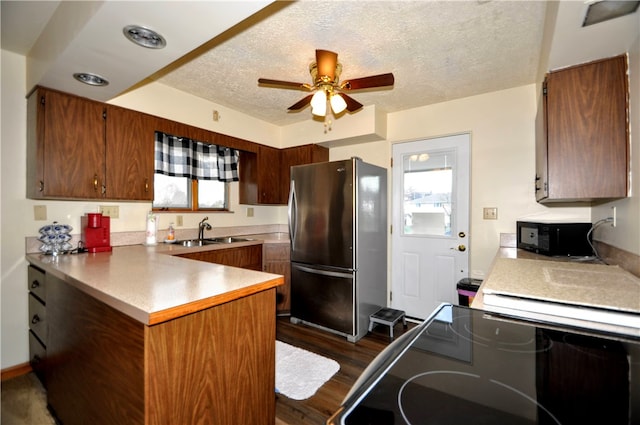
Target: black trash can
[467, 289]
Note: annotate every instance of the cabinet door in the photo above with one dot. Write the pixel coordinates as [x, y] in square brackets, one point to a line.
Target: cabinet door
[587, 140]
[246, 257]
[73, 146]
[129, 154]
[260, 176]
[277, 260]
[269, 175]
[299, 155]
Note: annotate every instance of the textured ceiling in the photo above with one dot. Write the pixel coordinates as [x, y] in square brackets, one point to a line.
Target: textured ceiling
[437, 51]
[217, 50]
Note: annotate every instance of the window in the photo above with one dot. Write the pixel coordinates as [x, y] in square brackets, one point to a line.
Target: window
[192, 175]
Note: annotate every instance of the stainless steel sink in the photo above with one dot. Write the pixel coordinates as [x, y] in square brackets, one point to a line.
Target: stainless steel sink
[228, 239]
[211, 241]
[191, 242]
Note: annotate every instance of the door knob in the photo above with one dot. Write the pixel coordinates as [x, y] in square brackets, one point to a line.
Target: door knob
[460, 248]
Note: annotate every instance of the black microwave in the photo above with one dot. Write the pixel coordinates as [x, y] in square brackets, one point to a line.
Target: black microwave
[555, 239]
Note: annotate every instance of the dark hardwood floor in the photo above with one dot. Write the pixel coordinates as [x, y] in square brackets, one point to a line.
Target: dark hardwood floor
[353, 359]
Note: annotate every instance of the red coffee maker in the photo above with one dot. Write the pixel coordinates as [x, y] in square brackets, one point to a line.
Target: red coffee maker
[96, 232]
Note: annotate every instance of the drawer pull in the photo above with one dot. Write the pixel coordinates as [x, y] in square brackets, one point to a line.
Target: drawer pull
[35, 284]
[35, 319]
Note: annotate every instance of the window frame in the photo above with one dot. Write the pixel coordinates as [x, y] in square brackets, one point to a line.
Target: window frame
[194, 201]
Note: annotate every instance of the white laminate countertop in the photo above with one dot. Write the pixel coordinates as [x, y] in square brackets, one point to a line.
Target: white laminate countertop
[586, 295]
[150, 286]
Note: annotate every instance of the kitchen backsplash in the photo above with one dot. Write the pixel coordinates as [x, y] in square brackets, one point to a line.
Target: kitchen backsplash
[32, 244]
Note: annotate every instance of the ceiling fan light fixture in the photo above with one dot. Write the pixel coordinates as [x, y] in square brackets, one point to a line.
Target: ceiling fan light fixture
[337, 103]
[319, 103]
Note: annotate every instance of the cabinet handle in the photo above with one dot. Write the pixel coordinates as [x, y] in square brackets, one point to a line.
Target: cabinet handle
[35, 319]
[35, 284]
[95, 182]
[40, 186]
[146, 185]
[36, 359]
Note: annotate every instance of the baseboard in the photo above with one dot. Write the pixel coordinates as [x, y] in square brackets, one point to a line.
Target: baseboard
[13, 371]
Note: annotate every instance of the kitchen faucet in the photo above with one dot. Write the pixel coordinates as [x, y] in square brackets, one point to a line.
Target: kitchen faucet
[202, 226]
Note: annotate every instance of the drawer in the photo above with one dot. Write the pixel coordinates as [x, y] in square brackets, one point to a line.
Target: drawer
[38, 318]
[276, 252]
[37, 355]
[36, 281]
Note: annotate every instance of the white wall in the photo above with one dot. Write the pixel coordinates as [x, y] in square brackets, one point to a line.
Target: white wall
[13, 209]
[626, 234]
[502, 160]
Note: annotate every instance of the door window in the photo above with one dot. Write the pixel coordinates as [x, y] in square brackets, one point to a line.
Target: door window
[428, 193]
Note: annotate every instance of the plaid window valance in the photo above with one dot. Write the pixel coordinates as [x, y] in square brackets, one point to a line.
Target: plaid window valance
[182, 157]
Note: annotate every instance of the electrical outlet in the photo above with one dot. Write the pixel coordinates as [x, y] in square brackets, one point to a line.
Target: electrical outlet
[39, 212]
[490, 213]
[250, 212]
[179, 221]
[112, 211]
[615, 219]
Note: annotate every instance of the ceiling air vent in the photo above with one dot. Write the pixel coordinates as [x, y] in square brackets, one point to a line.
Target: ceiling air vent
[604, 10]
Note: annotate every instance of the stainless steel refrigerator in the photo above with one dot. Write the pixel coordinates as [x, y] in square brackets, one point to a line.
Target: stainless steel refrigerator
[338, 229]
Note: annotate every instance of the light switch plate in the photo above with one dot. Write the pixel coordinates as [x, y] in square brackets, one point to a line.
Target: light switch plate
[490, 213]
[250, 212]
[40, 212]
[179, 221]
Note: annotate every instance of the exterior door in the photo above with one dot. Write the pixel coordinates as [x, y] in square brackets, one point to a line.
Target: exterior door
[430, 218]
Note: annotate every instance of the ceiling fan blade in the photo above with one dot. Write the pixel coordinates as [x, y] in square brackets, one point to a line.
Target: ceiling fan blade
[381, 80]
[352, 104]
[284, 84]
[326, 62]
[301, 104]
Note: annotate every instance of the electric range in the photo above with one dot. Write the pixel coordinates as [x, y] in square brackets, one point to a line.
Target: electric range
[467, 366]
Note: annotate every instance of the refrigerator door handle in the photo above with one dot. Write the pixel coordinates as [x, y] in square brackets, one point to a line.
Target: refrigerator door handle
[324, 272]
[292, 210]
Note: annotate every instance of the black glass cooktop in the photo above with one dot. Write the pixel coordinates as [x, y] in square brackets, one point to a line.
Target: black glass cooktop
[470, 367]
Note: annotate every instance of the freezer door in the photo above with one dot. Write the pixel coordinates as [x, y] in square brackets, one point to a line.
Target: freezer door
[321, 214]
[323, 297]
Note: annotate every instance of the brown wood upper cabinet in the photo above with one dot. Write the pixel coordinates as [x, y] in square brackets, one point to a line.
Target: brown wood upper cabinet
[265, 174]
[78, 148]
[299, 155]
[129, 154]
[582, 139]
[82, 149]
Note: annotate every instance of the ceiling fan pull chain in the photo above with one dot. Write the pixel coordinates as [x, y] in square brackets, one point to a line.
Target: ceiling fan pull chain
[327, 123]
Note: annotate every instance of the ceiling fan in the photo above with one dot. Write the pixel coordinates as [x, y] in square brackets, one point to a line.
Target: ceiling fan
[325, 73]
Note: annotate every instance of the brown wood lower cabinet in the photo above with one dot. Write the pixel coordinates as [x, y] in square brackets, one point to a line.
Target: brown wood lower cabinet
[246, 257]
[215, 366]
[277, 260]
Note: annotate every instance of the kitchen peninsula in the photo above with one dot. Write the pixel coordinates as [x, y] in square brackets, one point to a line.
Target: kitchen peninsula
[140, 336]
